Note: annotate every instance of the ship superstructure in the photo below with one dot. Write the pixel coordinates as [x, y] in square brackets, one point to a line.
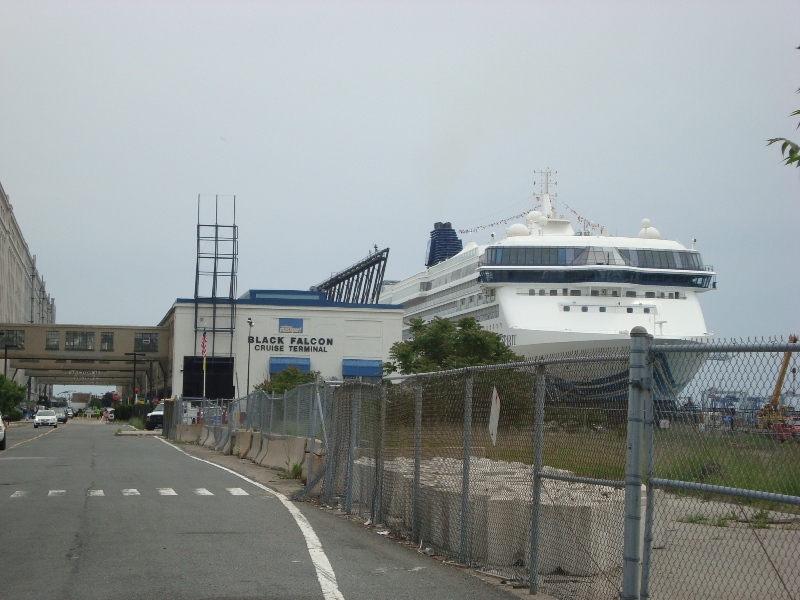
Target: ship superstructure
[547, 288]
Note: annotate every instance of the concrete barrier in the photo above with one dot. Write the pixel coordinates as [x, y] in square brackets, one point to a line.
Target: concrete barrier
[224, 440]
[277, 453]
[263, 450]
[188, 433]
[255, 446]
[204, 433]
[242, 446]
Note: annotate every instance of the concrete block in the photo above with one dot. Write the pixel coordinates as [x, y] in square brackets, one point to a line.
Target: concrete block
[243, 439]
[264, 448]
[255, 446]
[188, 433]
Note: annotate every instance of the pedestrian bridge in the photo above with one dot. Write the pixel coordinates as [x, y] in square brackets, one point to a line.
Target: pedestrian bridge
[87, 354]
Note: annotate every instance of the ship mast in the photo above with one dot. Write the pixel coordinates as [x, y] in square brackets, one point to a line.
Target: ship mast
[547, 204]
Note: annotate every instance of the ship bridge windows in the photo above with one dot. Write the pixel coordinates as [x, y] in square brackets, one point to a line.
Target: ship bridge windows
[592, 255]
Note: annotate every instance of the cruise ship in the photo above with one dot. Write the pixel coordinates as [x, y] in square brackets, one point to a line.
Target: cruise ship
[546, 288]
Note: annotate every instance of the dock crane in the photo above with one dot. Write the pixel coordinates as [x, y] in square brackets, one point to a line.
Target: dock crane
[773, 415]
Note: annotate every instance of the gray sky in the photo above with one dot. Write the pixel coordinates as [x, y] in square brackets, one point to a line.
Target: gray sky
[339, 125]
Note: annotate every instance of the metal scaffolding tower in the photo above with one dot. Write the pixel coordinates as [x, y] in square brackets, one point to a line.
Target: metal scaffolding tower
[215, 280]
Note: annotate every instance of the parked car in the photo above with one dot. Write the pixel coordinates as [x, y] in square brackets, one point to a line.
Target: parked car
[69, 412]
[110, 414]
[155, 419]
[61, 415]
[45, 416]
[3, 427]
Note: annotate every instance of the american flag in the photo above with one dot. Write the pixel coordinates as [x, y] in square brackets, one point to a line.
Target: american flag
[203, 348]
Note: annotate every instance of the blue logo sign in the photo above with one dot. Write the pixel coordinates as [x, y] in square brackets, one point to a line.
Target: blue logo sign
[290, 325]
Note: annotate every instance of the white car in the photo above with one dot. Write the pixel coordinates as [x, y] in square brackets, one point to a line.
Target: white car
[45, 417]
[3, 425]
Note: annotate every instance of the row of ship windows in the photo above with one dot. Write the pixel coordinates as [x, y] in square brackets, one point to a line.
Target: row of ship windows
[594, 255]
[612, 293]
[628, 309]
[596, 276]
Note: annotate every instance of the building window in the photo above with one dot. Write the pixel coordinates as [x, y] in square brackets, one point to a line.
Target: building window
[602, 309]
[145, 342]
[107, 340]
[649, 294]
[574, 292]
[79, 340]
[12, 338]
[630, 294]
[646, 311]
[584, 309]
[566, 309]
[51, 340]
[630, 310]
[554, 292]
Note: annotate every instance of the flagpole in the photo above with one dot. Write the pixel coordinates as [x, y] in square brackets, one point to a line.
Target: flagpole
[203, 348]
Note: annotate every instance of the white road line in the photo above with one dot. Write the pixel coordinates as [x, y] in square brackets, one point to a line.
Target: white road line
[95, 493]
[57, 493]
[19, 494]
[325, 574]
[167, 492]
[237, 492]
[203, 492]
[131, 492]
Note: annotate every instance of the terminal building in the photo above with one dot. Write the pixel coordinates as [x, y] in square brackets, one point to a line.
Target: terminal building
[272, 330]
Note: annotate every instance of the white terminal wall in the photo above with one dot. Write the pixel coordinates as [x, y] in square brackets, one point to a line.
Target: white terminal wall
[362, 332]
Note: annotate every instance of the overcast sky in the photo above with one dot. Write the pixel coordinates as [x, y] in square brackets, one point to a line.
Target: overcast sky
[339, 125]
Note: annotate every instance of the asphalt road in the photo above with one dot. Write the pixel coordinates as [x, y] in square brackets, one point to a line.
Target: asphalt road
[88, 514]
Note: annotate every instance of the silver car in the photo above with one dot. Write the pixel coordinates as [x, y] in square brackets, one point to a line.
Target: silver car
[45, 417]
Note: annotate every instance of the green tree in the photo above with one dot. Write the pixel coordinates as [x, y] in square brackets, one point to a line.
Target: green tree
[441, 344]
[789, 150]
[285, 380]
[11, 395]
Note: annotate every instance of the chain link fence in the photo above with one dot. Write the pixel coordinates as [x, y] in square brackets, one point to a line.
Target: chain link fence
[656, 471]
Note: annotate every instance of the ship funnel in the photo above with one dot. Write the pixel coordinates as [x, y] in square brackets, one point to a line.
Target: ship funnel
[443, 244]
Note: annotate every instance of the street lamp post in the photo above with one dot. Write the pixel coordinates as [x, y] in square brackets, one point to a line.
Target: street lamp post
[134, 354]
[5, 358]
[249, 345]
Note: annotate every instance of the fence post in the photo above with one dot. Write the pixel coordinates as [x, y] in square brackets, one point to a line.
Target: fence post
[312, 432]
[649, 420]
[638, 384]
[331, 445]
[355, 414]
[297, 411]
[377, 509]
[415, 532]
[540, 388]
[462, 549]
[283, 431]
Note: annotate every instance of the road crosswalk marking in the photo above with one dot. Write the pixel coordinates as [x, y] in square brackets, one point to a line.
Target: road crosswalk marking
[133, 492]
